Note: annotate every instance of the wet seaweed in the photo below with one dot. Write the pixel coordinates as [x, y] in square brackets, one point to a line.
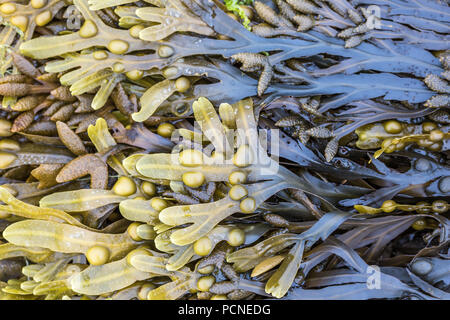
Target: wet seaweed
[224, 150]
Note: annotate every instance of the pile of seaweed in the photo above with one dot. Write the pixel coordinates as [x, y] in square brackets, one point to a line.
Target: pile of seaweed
[200, 149]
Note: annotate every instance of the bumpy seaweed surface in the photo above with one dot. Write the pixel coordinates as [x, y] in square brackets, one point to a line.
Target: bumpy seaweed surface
[237, 149]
